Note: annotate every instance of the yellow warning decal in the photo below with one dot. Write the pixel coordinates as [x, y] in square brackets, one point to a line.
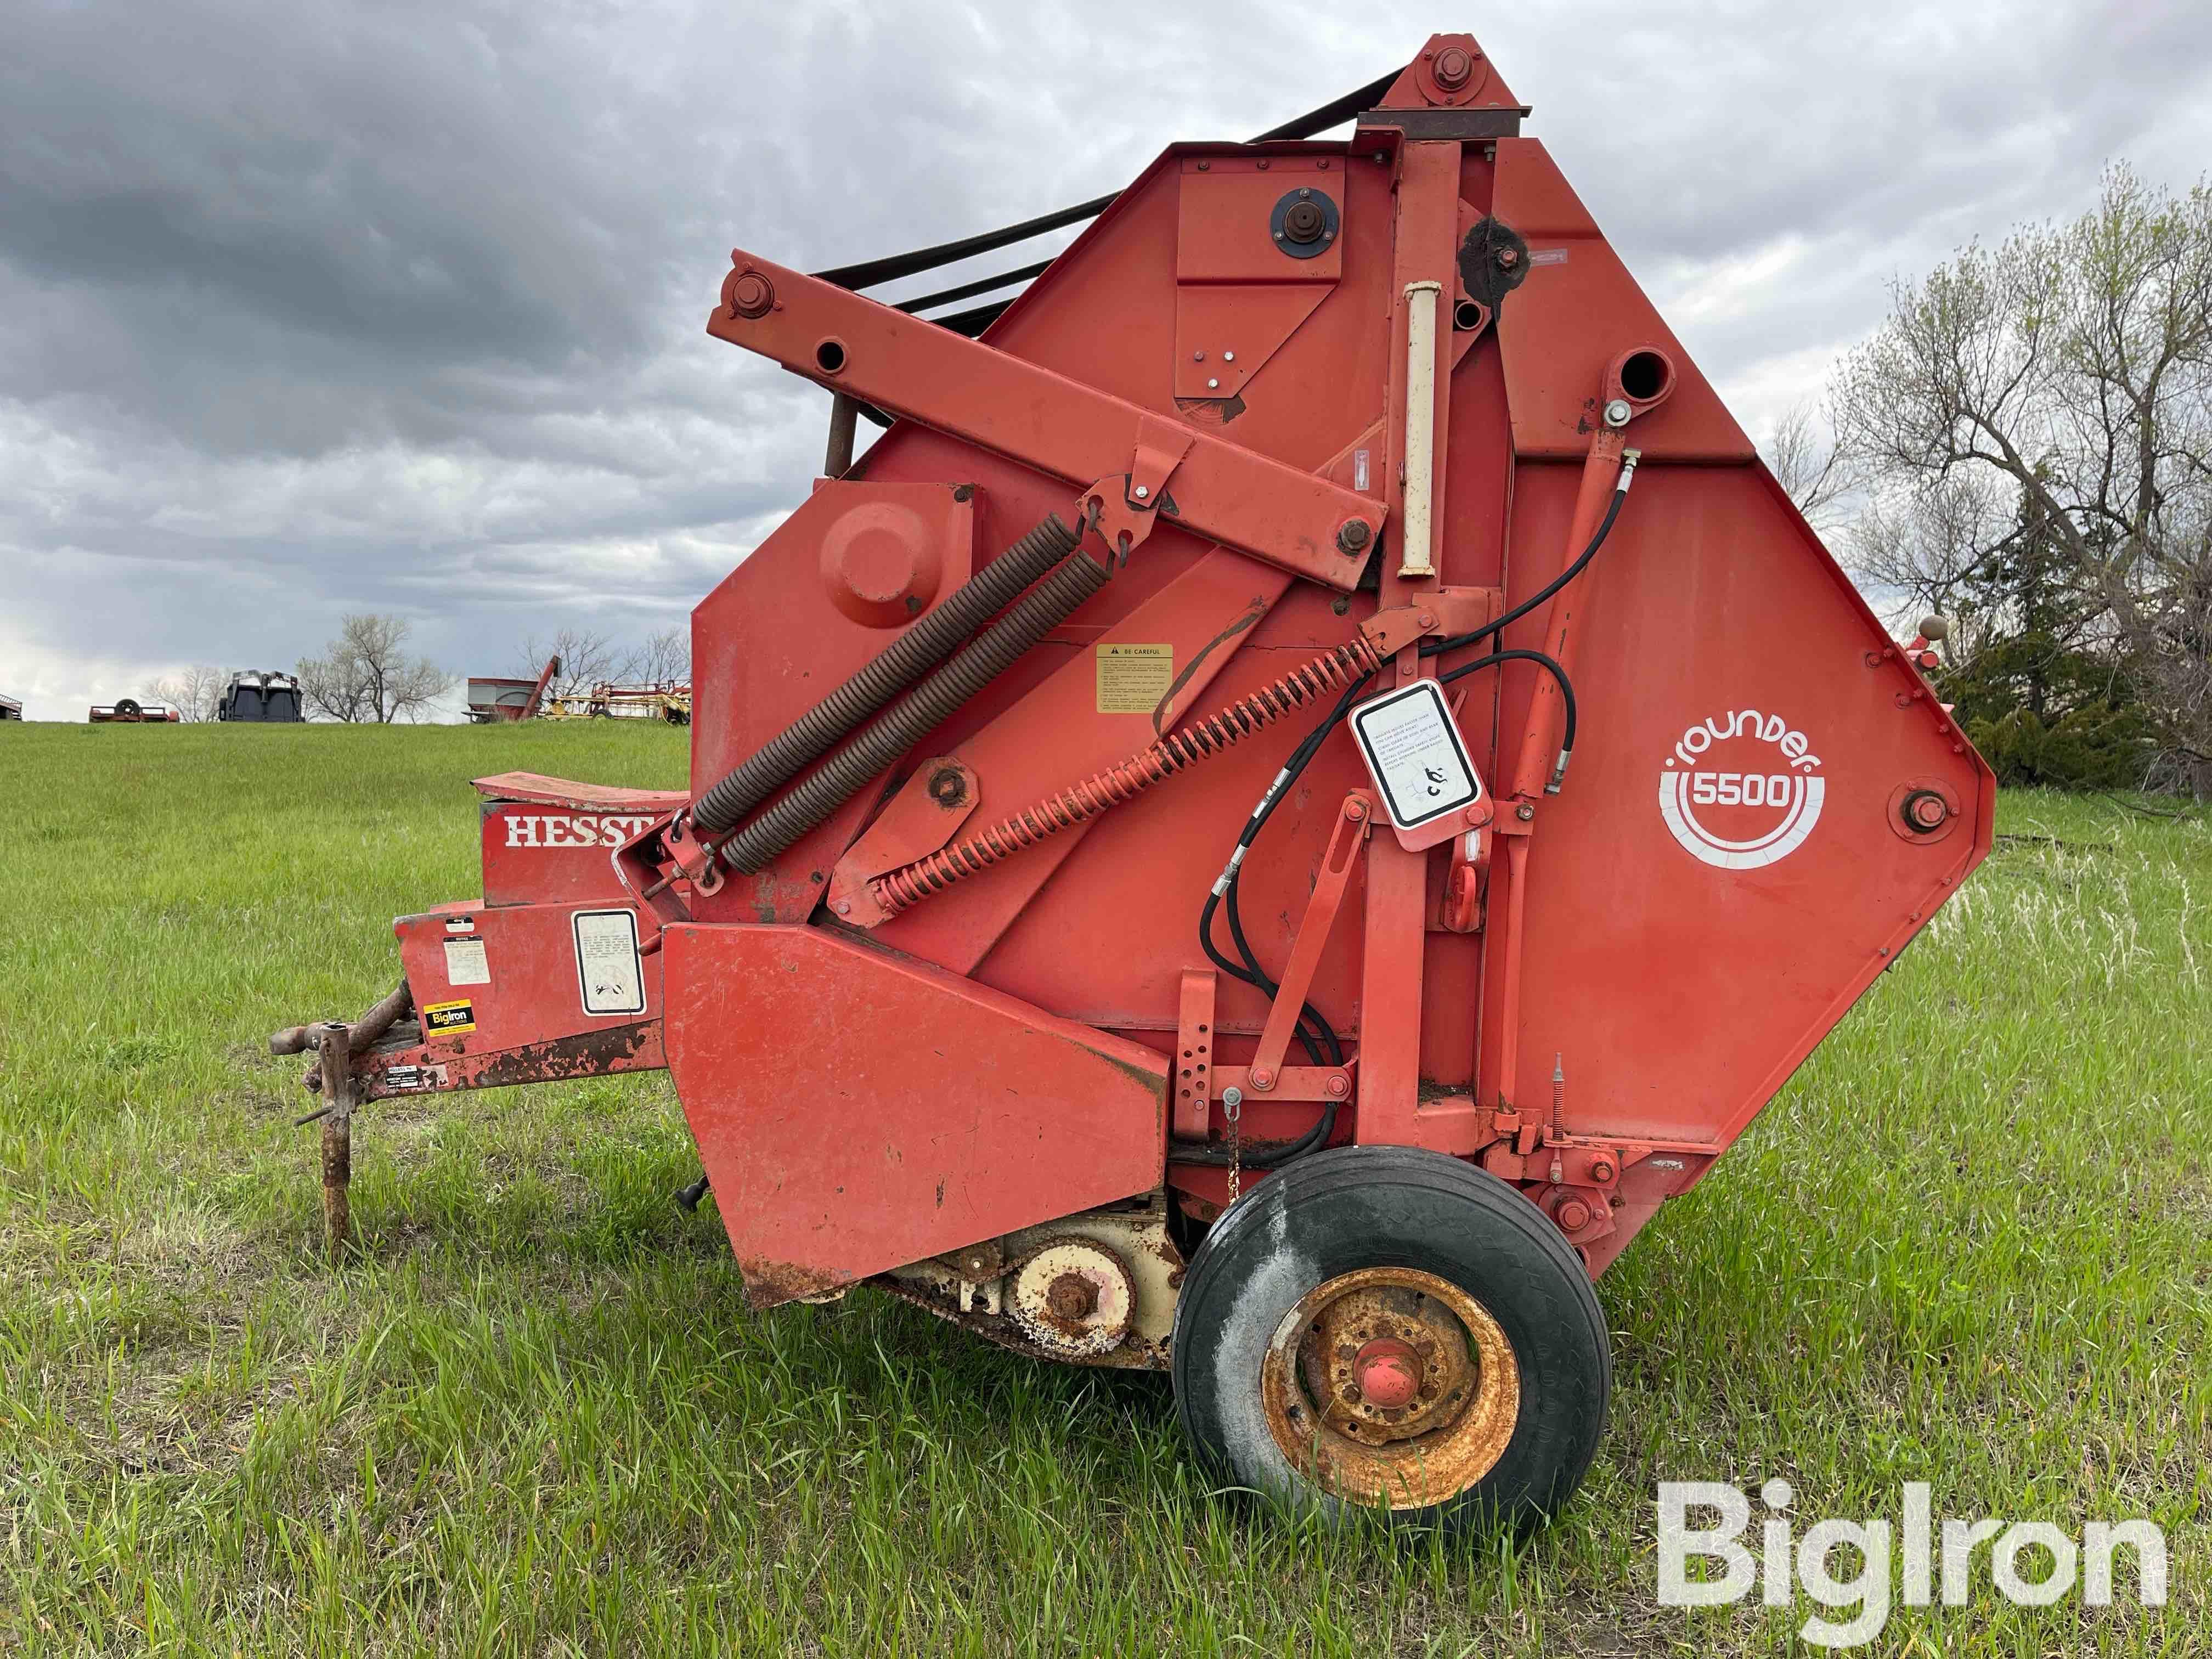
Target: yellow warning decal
[1132, 679]
[448, 1018]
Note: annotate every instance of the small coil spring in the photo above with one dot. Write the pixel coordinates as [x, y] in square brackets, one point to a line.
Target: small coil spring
[908, 884]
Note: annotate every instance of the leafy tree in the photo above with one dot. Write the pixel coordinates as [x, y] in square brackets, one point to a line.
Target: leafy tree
[2059, 385]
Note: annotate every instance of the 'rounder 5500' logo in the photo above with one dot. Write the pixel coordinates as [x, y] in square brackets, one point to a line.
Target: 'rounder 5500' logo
[1740, 790]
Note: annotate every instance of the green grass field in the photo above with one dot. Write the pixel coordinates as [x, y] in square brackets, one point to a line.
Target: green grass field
[1967, 1245]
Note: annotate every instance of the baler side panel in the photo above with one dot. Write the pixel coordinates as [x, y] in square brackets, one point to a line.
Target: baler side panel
[858, 1111]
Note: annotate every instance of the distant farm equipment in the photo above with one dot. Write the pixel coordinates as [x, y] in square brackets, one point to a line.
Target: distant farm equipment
[262, 695]
[492, 698]
[670, 702]
[129, 711]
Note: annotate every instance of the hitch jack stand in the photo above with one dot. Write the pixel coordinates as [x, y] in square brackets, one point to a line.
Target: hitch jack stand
[336, 1055]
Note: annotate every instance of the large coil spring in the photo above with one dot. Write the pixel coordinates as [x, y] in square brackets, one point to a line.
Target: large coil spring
[898, 889]
[989, 654]
[919, 649]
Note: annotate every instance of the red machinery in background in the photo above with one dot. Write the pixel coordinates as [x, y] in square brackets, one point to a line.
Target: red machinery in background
[1134, 899]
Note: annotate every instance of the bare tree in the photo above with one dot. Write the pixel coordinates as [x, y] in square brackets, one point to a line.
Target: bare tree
[665, 659]
[1811, 468]
[2063, 381]
[586, 659]
[196, 693]
[365, 676]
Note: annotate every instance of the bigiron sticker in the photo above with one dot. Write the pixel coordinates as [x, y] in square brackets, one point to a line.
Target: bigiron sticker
[448, 1018]
[1741, 790]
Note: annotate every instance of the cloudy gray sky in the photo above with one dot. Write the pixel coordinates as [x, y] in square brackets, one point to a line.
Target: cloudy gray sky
[308, 307]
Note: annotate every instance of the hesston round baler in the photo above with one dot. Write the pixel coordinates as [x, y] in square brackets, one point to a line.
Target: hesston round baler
[1134, 901]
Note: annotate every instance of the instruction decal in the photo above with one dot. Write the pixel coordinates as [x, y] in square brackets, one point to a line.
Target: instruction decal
[448, 1018]
[1414, 754]
[609, 975]
[466, 964]
[1133, 678]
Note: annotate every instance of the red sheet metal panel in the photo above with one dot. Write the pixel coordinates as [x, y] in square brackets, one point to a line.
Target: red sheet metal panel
[858, 1111]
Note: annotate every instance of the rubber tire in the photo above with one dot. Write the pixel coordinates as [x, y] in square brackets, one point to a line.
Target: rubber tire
[1352, 1207]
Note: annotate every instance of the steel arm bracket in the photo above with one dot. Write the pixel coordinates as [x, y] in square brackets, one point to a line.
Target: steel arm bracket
[1031, 414]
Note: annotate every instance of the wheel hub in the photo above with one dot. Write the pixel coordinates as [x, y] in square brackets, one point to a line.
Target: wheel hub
[1391, 1383]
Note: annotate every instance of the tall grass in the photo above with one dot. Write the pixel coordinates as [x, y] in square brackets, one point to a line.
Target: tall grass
[1967, 1245]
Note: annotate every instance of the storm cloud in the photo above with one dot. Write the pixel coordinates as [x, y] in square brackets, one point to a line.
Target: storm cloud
[313, 308]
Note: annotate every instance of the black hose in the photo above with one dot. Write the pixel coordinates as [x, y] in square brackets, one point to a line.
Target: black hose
[1557, 673]
[870, 272]
[916, 651]
[1455, 641]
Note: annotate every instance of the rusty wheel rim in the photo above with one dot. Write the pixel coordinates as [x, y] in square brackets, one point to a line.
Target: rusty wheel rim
[1442, 1390]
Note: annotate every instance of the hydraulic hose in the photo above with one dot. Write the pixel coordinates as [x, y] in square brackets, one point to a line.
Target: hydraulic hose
[913, 654]
[916, 714]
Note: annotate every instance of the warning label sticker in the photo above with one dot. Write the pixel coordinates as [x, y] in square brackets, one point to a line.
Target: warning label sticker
[466, 964]
[1132, 679]
[1413, 752]
[608, 971]
[448, 1018]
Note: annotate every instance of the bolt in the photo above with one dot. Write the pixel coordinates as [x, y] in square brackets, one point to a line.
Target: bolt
[1232, 1096]
[1213, 386]
[844, 907]
[1355, 810]
[1925, 812]
[1508, 257]
[1617, 412]
[750, 294]
[1524, 812]
[1198, 356]
[1338, 1088]
[946, 787]
[1142, 491]
[1322, 164]
[1353, 535]
[1378, 158]
[1428, 619]
[1572, 1215]
[1228, 356]
[1601, 1169]
[1263, 164]
[1205, 167]
[1261, 1077]
[1453, 66]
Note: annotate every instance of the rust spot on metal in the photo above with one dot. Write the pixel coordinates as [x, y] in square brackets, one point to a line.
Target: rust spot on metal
[771, 1283]
[1462, 1387]
[587, 1054]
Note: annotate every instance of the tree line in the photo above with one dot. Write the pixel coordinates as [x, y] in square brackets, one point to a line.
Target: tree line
[2025, 445]
[368, 675]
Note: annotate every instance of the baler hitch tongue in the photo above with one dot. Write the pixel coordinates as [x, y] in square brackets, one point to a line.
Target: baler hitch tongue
[336, 1044]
